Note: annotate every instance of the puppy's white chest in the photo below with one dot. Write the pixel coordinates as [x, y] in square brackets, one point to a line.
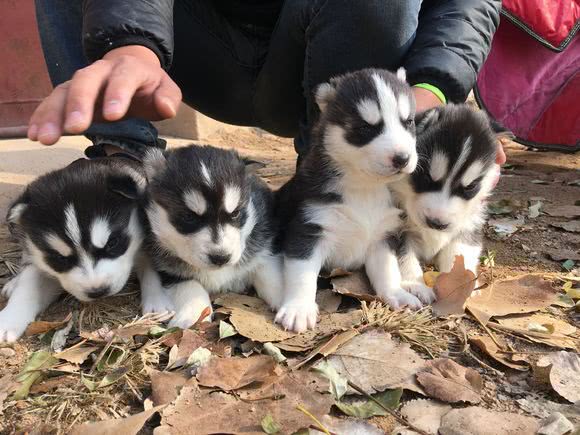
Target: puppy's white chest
[350, 228]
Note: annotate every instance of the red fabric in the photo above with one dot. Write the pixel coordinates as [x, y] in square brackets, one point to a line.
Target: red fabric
[552, 20]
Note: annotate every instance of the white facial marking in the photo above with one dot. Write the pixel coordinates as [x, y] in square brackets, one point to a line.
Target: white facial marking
[195, 201]
[472, 173]
[232, 198]
[385, 94]
[404, 106]
[72, 228]
[439, 166]
[369, 111]
[205, 173]
[460, 160]
[402, 74]
[58, 245]
[100, 232]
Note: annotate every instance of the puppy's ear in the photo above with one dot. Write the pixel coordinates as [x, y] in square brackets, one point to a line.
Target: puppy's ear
[17, 209]
[402, 74]
[125, 185]
[425, 120]
[324, 93]
[154, 162]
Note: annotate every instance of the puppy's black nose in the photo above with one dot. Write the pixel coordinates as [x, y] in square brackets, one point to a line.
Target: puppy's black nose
[436, 224]
[400, 160]
[96, 293]
[219, 259]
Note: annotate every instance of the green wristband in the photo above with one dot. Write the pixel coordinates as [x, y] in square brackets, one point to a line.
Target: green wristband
[433, 89]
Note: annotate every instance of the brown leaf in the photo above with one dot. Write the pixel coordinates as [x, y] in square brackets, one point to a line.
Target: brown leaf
[252, 318]
[453, 289]
[41, 326]
[375, 362]
[329, 347]
[562, 254]
[355, 285]
[524, 294]
[567, 211]
[564, 374]
[76, 354]
[475, 420]
[488, 346]
[328, 325]
[446, 380]
[53, 383]
[558, 336]
[216, 412]
[572, 226]
[233, 373]
[7, 386]
[121, 426]
[335, 273]
[426, 414]
[328, 301]
[165, 386]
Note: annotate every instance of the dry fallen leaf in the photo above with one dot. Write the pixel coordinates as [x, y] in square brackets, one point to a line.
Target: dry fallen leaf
[572, 226]
[430, 277]
[41, 326]
[564, 373]
[165, 386]
[233, 373]
[122, 426]
[425, 414]
[567, 211]
[328, 301]
[7, 386]
[563, 254]
[557, 332]
[375, 362]
[252, 318]
[524, 294]
[76, 354]
[488, 346]
[53, 383]
[450, 382]
[355, 285]
[555, 424]
[475, 420]
[453, 289]
[217, 412]
[329, 347]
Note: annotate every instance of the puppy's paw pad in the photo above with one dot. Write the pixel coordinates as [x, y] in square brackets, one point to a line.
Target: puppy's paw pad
[401, 298]
[11, 328]
[423, 292]
[185, 318]
[158, 304]
[297, 317]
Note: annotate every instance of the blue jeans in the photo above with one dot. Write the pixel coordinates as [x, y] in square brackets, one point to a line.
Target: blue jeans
[242, 73]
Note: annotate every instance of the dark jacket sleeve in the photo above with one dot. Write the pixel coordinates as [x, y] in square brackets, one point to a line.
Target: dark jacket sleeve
[109, 24]
[452, 42]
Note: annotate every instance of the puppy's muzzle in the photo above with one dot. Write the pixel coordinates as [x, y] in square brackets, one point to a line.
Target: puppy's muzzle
[436, 224]
[99, 292]
[400, 160]
[219, 259]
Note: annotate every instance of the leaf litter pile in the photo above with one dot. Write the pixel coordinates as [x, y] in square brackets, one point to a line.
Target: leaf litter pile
[496, 354]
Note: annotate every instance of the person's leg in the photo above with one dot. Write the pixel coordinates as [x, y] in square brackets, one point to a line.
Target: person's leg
[60, 28]
[318, 39]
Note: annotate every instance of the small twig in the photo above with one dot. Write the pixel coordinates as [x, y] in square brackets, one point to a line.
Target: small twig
[102, 353]
[390, 411]
[486, 329]
[487, 366]
[319, 425]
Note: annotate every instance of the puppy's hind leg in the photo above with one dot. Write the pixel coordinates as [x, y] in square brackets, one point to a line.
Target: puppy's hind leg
[190, 300]
[269, 281]
[32, 293]
[383, 271]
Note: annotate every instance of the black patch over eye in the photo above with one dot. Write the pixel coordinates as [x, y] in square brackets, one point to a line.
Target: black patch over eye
[409, 122]
[235, 214]
[469, 191]
[188, 222]
[116, 245]
[422, 182]
[362, 133]
[58, 262]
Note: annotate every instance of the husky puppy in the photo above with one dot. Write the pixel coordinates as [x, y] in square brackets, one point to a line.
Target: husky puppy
[445, 198]
[211, 230]
[337, 211]
[79, 230]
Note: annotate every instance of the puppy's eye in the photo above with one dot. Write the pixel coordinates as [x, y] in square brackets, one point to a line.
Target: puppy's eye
[471, 187]
[235, 214]
[112, 243]
[409, 122]
[191, 218]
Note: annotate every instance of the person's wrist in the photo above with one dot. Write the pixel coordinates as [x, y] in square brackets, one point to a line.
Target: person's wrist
[139, 51]
[425, 99]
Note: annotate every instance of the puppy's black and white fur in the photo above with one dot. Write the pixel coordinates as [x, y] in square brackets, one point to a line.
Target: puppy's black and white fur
[79, 230]
[445, 198]
[338, 210]
[211, 230]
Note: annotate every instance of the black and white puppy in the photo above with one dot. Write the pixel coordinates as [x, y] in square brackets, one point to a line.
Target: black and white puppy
[445, 198]
[79, 230]
[211, 230]
[338, 211]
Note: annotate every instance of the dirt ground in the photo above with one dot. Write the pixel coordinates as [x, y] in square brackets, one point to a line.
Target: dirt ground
[524, 251]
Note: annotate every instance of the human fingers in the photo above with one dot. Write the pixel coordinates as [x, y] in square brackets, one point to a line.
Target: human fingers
[46, 123]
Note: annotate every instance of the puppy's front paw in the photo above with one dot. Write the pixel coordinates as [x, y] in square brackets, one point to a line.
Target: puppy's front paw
[158, 303]
[398, 298]
[188, 316]
[11, 327]
[297, 317]
[9, 287]
[424, 293]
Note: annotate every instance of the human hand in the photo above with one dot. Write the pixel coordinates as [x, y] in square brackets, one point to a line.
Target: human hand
[127, 82]
[425, 100]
